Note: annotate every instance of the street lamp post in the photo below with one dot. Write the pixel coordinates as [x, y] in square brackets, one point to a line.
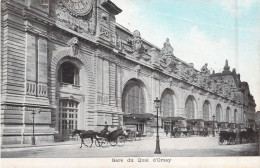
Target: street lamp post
[157, 149]
[33, 136]
[213, 128]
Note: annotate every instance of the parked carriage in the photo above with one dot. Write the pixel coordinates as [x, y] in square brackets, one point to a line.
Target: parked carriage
[130, 134]
[138, 124]
[247, 135]
[179, 127]
[196, 126]
[208, 127]
[223, 126]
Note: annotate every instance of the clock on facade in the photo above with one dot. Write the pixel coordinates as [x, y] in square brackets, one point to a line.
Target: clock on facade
[78, 7]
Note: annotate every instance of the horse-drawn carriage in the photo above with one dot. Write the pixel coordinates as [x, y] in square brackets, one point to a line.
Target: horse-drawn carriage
[102, 139]
[237, 135]
[229, 137]
[116, 137]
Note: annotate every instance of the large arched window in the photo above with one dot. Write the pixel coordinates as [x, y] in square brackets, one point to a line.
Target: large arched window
[133, 99]
[167, 104]
[68, 74]
[190, 107]
[228, 114]
[235, 116]
[218, 112]
[206, 110]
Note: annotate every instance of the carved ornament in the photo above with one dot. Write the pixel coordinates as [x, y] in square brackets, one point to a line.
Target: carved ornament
[75, 17]
[74, 44]
[78, 7]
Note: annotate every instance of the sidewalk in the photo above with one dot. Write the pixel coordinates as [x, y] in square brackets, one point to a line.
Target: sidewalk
[38, 145]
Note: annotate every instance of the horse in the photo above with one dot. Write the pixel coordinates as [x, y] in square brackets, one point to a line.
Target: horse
[85, 134]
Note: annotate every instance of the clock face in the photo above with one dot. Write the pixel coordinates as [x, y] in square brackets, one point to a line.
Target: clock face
[78, 7]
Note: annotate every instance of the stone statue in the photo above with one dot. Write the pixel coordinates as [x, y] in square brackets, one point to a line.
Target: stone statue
[137, 42]
[167, 58]
[167, 48]
[204, 70]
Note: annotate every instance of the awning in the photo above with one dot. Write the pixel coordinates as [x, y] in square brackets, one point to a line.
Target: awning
[251, 121]
[173, 119]
[194, 120]
[143, 116]
[190, 121]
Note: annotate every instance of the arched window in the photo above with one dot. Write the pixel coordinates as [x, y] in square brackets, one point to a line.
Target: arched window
[167, 104]
[68, 74]
[206, 109]
[235, 116]
[218, 112]
[133, 100]
[190, 108]
[227, 114]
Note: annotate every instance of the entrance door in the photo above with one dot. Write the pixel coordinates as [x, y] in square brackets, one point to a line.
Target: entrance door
[68, 114]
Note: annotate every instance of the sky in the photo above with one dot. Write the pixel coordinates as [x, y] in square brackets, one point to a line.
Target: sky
[202, 31]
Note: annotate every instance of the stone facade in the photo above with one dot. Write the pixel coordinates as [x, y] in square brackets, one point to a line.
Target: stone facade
[40, 36]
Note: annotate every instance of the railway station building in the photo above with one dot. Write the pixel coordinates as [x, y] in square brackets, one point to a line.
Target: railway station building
[72, 64]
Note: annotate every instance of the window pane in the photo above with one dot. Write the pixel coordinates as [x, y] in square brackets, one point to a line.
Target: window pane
[189, 108]
[68, 73]
[167, 105]
[227, 115]
[133, 100]
[218, 111]
[206, 111]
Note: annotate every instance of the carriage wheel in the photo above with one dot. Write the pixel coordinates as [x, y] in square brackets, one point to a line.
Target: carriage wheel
[121, 141]
[132, 137]
[97, 143]
[220, 141]
[129, 137]
[104, 142]
[113, 142]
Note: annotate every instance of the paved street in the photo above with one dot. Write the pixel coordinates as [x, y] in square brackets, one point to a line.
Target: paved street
[170, 147]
